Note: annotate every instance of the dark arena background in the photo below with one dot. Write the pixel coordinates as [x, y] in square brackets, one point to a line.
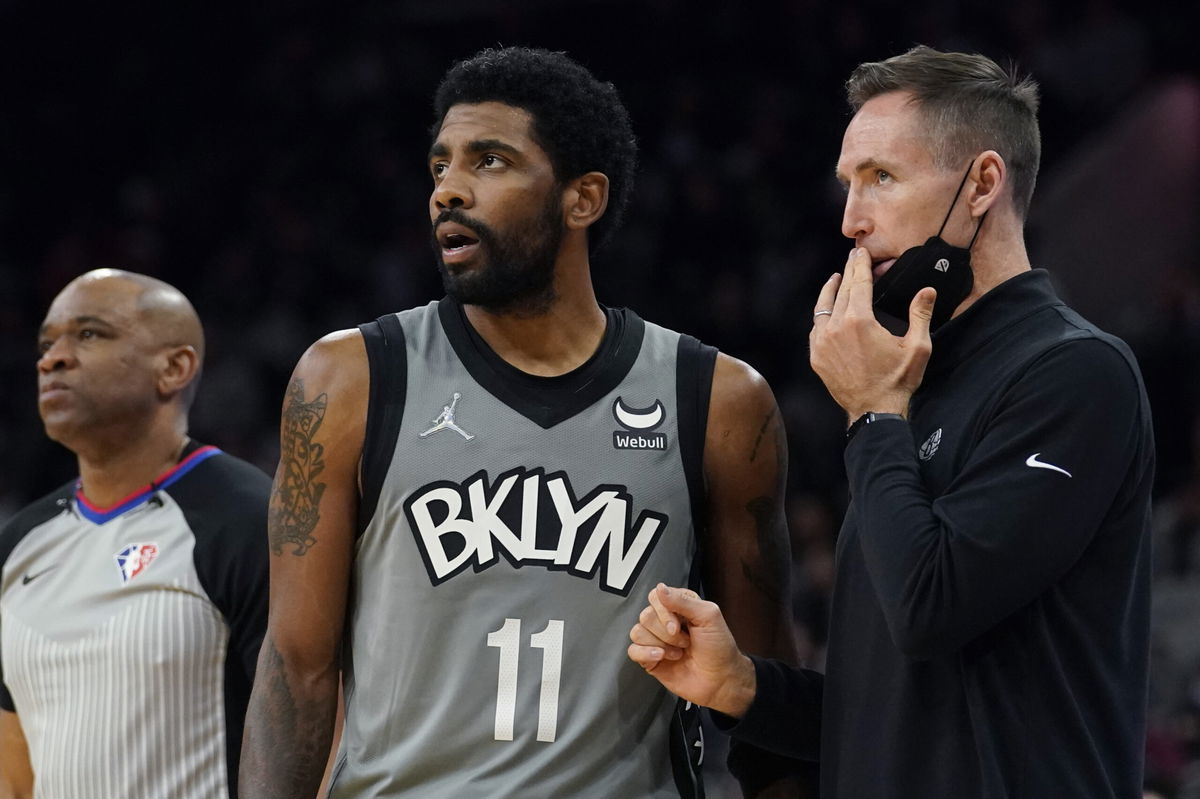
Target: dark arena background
[269, 159]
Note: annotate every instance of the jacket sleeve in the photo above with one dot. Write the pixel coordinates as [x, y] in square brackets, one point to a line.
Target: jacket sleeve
[1025, 505]
[785, 716]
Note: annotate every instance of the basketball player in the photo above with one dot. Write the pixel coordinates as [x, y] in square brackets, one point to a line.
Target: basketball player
[989, 632]
[473, 495]
[132, 599]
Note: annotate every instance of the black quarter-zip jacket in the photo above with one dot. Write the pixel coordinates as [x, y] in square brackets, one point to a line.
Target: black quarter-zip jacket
[990, 620]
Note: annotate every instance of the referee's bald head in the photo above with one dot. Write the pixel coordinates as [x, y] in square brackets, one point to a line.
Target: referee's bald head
[159, 314]
[164, 310]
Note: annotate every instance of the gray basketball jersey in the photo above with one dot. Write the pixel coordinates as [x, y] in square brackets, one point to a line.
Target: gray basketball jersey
[128, 635]
[512, 528]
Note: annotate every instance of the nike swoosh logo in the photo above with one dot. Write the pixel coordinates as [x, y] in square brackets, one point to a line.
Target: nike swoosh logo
[29, 578]
[1033, 461]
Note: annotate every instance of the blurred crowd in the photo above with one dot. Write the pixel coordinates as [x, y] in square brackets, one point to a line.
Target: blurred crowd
[269, 160]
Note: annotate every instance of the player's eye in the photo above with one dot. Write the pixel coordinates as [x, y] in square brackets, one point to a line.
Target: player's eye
[883, 176]
[438, 169]
[491, 161]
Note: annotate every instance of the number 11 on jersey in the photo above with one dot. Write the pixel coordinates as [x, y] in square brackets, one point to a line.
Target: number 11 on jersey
[508, 640]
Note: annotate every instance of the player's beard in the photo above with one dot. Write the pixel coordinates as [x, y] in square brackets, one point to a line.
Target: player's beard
[516, 273]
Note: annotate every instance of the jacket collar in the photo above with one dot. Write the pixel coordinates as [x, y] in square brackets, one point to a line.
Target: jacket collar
[1004, 306]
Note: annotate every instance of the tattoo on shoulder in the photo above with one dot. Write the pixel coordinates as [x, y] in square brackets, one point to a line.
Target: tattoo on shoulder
[296, 498]
[762, 431]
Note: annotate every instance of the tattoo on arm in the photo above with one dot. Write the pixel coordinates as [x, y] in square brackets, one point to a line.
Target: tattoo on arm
[769, 572]
[288, 737]
[762, 431]
[296, 498]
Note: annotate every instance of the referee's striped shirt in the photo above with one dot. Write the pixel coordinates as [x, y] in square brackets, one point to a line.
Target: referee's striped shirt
[129, 635]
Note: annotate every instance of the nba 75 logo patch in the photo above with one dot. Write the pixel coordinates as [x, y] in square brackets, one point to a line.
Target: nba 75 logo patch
[639, 424]
[133, 560]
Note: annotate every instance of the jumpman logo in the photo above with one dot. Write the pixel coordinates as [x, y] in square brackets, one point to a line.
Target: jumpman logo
[445, 420]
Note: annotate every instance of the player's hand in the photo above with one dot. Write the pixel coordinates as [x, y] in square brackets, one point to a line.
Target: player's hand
[684, 643]
[864, 367]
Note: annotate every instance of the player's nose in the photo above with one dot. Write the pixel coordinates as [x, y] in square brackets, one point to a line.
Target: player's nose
[453, 190]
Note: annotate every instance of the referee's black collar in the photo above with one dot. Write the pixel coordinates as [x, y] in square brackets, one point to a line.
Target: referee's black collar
[1007, 304]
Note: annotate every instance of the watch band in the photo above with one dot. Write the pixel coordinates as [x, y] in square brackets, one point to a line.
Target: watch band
[867, 418]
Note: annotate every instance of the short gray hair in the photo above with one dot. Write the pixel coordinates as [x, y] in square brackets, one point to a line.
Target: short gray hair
[968, 104]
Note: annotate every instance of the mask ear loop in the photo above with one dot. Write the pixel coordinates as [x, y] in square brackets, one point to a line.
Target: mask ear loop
[962, 183]
[978, 228]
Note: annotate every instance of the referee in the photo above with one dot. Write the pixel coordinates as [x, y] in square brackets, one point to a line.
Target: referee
[990, 620]
[132, 599]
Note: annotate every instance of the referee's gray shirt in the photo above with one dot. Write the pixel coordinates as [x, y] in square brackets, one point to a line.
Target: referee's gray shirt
[129, 635]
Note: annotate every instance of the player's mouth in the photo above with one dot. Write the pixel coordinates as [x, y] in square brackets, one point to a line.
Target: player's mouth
[880, 266]
[458, 243]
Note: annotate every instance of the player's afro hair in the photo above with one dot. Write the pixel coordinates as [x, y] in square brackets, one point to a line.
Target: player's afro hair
[579, 121]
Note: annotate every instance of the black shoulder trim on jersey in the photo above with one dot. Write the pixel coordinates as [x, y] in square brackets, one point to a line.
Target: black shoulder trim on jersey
[694, 365]
[224, 501]
[387, 356]
[547, 401]
[31, 516]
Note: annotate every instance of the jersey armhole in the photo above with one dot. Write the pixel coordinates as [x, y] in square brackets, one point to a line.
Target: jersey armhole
[387, 359]
[695, 363]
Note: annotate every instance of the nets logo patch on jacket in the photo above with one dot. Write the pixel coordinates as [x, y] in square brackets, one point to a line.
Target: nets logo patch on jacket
[532, 518]
[638, 424]
[930, 447]
[134, 559]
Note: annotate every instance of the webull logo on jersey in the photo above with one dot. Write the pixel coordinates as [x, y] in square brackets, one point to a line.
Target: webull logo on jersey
[532, 519]
[638, 424]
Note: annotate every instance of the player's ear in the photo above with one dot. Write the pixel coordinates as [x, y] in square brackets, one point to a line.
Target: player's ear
[178, 368]
[584, 200]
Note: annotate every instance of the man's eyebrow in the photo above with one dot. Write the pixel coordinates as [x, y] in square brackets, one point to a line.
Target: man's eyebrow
[85, 319]
[440, 150]
[869, 163]
[483, 145]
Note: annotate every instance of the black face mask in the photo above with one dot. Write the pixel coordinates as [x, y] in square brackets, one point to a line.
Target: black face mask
[935, 263]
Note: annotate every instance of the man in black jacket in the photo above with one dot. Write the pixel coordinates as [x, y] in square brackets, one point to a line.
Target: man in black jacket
[990, 621]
